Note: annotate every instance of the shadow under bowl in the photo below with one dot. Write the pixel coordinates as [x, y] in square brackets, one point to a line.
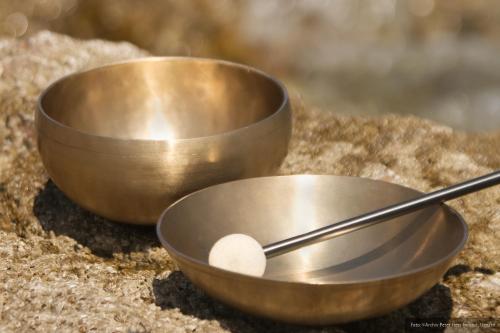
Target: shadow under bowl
[363, 274]
[126, 140]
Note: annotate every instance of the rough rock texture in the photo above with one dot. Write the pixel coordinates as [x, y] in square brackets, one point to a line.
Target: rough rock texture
[65, 269]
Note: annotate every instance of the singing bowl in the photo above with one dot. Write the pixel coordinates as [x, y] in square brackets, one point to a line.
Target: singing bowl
[363, 274]
[128, 139]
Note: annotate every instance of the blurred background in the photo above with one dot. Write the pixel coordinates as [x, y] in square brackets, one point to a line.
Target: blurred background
[435, 59]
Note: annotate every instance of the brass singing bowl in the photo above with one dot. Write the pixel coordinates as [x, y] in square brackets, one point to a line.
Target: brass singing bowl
[363, 274]
[128, 139]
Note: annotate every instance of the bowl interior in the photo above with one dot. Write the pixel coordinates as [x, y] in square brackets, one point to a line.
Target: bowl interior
[163, 98]
[273, 208]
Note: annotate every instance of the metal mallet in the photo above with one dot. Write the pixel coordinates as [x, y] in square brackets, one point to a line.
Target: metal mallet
[243, 254]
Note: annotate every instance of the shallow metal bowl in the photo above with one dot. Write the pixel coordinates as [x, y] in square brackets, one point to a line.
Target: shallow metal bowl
[127, 139]
[362, 274]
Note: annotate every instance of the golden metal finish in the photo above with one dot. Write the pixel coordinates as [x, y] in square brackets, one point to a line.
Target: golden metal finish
[127, 139]
[362, 274]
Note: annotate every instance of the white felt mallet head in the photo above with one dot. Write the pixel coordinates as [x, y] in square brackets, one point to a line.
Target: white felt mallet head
[238, 253]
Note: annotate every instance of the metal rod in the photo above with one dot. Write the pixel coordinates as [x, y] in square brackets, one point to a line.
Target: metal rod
[380, 215]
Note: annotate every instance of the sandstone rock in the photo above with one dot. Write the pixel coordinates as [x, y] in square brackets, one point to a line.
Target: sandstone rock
[65, 269]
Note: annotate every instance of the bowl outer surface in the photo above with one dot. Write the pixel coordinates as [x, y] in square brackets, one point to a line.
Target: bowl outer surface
[363, 274]
[133, 179]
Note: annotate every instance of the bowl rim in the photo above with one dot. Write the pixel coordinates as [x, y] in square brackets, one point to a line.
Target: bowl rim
[283, 106]
[344, 283]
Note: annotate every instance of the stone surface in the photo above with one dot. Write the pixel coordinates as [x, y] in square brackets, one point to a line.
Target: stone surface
[65, 269]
